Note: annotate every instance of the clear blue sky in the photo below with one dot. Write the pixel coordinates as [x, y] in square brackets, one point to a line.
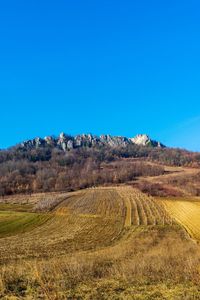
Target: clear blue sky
[107, 66]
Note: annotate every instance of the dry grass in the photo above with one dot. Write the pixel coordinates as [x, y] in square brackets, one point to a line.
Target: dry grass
[103, 243]
[186, 212]
[176, 182]
[145, 264]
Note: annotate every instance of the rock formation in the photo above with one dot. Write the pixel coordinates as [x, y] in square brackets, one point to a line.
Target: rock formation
[67, 142]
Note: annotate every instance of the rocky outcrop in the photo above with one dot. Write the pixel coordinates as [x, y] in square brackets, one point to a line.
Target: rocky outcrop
[114, 141]
[144, 140]
[35, 143]
[67, 142]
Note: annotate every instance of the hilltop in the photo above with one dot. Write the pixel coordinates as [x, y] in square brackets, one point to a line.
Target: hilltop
[68, 142]
[105, 218]
[66, 163]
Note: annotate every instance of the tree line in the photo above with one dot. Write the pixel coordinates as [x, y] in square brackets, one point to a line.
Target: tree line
[51, 169]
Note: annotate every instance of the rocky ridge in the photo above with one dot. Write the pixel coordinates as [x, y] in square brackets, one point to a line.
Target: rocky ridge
[67, 142]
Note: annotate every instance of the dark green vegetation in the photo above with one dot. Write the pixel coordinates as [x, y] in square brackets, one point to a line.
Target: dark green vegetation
[17, 207]
[14, 222]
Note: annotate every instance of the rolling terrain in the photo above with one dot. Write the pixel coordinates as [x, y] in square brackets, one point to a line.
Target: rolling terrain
[96, 243]
[83, 220]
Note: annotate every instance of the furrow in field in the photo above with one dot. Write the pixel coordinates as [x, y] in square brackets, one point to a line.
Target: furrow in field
[187, 213]
[84, 220]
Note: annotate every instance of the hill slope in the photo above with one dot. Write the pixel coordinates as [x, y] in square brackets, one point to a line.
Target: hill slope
[82, 220]
[42, 165]
[100, 243]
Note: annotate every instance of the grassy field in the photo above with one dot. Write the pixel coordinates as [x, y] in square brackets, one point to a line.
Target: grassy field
[85, 220]
[186, 211]
[101, 243]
